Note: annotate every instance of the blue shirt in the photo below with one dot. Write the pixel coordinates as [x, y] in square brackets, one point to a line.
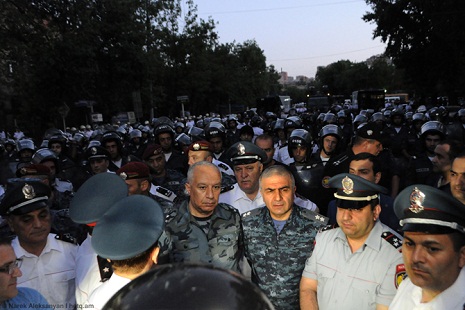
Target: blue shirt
[27, 298]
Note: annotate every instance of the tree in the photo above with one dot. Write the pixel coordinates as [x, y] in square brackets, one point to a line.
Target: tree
[426, 38]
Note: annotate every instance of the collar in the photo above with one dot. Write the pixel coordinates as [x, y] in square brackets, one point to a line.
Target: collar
[374, 238]
[52, 245]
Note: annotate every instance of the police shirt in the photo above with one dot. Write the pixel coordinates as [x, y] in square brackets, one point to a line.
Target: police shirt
[104, 292]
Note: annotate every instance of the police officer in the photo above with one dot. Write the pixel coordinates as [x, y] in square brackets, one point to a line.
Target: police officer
[113, 143]
[215, 133]
[164, 136]
[434, 249]
[127, 234]
[202, 229]
[353, 266]
[48, 263]
[274, 236]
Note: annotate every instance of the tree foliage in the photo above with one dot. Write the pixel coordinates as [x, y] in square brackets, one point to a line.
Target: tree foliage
[58, 52]
[426, 38]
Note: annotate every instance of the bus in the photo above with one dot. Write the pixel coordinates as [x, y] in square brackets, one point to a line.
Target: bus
[368, 99]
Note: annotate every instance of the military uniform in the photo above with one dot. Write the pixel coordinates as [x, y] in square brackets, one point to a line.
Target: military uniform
[278, 260]
[221, 246]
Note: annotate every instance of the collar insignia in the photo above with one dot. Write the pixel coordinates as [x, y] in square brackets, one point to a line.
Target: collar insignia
[417, 198]
[347, 185]
[28, 191]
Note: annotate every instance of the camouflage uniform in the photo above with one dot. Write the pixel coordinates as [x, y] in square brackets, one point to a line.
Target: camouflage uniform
[278, 260]
[220, 247]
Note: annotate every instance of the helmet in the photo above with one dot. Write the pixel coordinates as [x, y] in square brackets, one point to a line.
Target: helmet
[164, 128]
[279, 124]
[292, 122]
[162, 120]
[409, 115]
[397, 112]
[26, 144]
[341, 114]
[42, 155]
[461, 112]
[437, 114]
[432, 127]
[111, 136]
[59, 138]
[421, 109]
[330, 118]
[378, 116]
[300, 137]
[196, 133]
[136, 133]
[419, 117]
[256, 121]
[332, 130]
[197, 287]
[215, 129]
[79, 137]
[360, 119]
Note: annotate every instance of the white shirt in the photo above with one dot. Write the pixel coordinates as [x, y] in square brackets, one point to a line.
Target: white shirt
[408, 297]
[87, 271]
[52, 273]
[104, 292]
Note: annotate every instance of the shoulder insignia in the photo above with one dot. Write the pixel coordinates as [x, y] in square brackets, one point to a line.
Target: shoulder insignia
[251, 213]
[223, 166]
[226, 189]
[392, 240]
[328, 227]
[325, 181]
[320, 219]
[105, 268]
[401, 274]
[66, 237]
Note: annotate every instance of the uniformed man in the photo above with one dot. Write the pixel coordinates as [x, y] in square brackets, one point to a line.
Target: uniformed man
[353, 266]
[444, 154]
[127, 235]
[275, 236]
[112, 141]
[265, 142]
[99, 159]
[202, 229]
[457, 178]
[434, 250]
[203, 151]
[48, 263]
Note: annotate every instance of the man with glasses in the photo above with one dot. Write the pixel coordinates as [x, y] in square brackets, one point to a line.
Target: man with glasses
[10, 295]
[357, 265]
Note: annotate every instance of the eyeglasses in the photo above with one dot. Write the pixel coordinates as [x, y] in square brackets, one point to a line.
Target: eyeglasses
[10, 268]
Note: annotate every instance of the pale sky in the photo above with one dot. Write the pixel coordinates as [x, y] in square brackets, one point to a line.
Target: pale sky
[296, 36]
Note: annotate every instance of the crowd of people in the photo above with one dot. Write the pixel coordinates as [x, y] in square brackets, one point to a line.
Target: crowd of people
[320, 210]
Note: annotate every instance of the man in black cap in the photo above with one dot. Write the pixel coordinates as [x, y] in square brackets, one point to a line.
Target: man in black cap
[48, 263]
[353, 266]
[127, 235]
[98, 158]
[434, 249]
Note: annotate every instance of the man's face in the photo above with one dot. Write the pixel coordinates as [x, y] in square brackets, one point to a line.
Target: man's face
[25, 155]
[364, 169]
[374, 147]
[99, 165]
[278, 194]
[136, 186]
[246, 137]
[204, 190]
[329, 144]
[430, 260]
[217, 144]
[8, 287]
[52, 166]
[457, 179]
[357, 223]
[441, 161]
[196, 156]
[431, 141]
[112, 148]
[397, 120]
[165, 141]
[299, 153]
[267, 146]
[157, 163]
[32, 228]
[56, 148]
[247, 176]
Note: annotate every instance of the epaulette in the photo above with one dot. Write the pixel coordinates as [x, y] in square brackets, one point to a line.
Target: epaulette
[392, 240]
[281, 146]
[328, 227]
[311, 215]
[104, 266]
[170, 214]
[226, 189]
[251, 213]
[165, 193]
[223, 166]
[67, 237]
[341, 160]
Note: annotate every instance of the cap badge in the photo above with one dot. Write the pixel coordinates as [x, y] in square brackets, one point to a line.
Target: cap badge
[28, 191]
[23, 171]
[123, 175]
[417, 198]
[196, 147]
[240, 149]
[369, 132]
[93, 150]
[347, 185]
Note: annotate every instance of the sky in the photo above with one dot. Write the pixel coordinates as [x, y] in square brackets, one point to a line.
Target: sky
[296, 36]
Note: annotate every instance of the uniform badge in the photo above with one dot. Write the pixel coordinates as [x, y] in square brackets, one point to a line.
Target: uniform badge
[93, 150]
[417, 198]
[240, 149]
[123, 175]
[325, 182]
[347, 185]
[369, 132]
[196, 146]
[23, 171]
[28, 191]
[401, 274]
